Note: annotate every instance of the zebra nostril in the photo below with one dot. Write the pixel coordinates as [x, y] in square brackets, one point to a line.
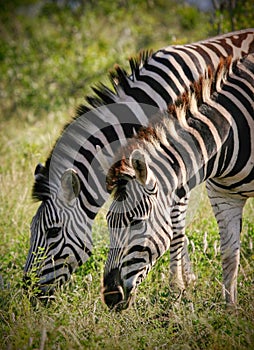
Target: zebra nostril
[113, 297]
[113, 293]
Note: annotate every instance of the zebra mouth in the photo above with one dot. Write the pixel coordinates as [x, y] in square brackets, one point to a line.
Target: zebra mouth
[116, 294]
[113, 298]
[117, 300]
[126, 303]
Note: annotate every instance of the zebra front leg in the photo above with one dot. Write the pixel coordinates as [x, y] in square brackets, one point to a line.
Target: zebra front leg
[177, 280]
[181, 274]
[188, 275]
[228, 213]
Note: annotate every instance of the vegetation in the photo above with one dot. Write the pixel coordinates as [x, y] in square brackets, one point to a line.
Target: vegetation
[50, 55]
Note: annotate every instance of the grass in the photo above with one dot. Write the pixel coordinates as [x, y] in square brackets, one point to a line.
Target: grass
[47, 65]
[77, 319]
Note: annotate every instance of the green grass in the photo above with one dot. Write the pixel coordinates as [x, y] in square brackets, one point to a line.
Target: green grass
[47, 65]
[77, 318]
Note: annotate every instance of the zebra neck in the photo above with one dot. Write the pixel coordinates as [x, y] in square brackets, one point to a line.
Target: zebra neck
[191, 153]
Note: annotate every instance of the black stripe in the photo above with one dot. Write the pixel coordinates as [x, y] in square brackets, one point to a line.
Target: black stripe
[132, 273]
[213, 48]
[166, 62]
[90, 214]
[73, 237]
[203, 53]
[244, 181]
[194, 58]
[242, 126]
[53, 269]
[151, 82]
[140, 249]
[181, 62]
[133, 261]
[166, 78]
[140, 96]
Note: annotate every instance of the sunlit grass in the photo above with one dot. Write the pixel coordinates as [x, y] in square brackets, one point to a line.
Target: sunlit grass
[77, 318]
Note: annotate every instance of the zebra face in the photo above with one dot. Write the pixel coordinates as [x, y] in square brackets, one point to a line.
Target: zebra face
[133, 218]
[56, 248]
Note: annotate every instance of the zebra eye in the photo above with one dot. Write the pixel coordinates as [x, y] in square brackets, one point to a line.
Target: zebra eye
[135, 222]
[53, 232]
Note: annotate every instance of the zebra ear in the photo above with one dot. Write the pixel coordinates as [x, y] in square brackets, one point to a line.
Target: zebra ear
[39, 170]
[41, 188]
[142, 170]
[70, 185]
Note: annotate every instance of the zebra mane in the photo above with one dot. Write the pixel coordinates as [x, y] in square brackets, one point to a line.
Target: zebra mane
[120, 77]
[120, 80]
[177, 114]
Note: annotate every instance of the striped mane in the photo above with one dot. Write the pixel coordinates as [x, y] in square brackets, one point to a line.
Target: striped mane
[102, 96]
[178, 113]
[120, 80]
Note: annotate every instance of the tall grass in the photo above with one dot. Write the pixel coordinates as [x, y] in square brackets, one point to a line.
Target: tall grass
[47, 65]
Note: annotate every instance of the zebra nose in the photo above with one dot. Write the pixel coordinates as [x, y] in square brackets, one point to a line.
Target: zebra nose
[113, 298]
[113, 293]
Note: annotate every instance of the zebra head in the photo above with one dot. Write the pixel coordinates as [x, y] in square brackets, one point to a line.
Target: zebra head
[133, 218]
[56, 245]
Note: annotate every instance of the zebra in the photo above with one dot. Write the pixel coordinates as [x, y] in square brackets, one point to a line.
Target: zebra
[207, 135]
[70, 186]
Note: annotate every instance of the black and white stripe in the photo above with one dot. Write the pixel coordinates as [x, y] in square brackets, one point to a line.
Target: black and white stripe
[71, 186]
[207, 136]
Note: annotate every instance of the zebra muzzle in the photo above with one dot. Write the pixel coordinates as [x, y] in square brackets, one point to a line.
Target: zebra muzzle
[114, 298]
[113, 293]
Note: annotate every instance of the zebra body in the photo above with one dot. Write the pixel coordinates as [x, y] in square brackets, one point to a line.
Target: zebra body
[209, 137]
[71, 186]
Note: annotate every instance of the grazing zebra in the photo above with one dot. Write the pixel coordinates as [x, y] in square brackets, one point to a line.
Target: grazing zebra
[208, 135]
[71, 187]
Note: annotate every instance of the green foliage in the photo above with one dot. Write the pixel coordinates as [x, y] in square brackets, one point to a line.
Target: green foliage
[48, 62]
[189, 17]
[233, 15]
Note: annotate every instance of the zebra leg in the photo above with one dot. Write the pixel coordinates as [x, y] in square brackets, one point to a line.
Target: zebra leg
[181, 274]
[188, 275]
[228, 213]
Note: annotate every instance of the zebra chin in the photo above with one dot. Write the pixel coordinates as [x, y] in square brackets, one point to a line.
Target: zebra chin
[114, 294]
